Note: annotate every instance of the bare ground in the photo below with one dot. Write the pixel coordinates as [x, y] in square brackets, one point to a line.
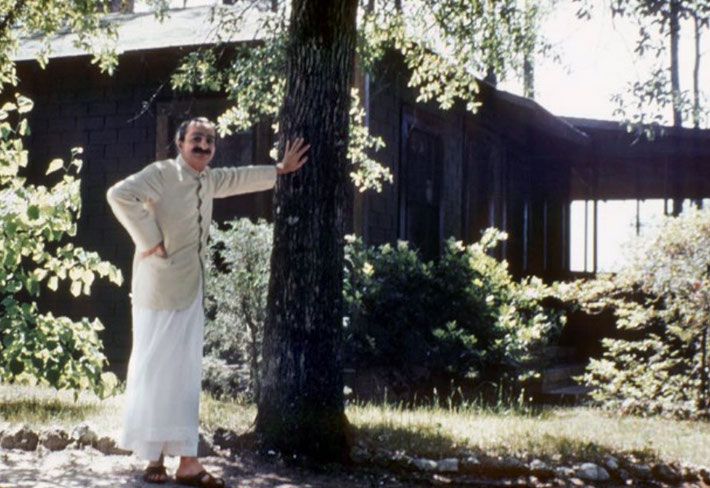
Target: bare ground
[83, 468]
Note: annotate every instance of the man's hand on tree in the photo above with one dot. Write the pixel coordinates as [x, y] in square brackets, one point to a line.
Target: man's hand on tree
[158, 250]
[293, 157]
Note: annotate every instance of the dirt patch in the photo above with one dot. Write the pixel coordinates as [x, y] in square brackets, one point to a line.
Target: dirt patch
[80, 468]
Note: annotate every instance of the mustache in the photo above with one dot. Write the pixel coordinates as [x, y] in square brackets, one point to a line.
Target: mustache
[201, 151]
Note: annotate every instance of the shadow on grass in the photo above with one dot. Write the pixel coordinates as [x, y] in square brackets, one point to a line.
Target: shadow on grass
[432, 443]
[429, 442]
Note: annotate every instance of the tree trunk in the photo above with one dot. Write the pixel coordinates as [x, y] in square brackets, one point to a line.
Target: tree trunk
[696, 72]
[301, 409]
[529, 54]
[675, 67]
[674, 22]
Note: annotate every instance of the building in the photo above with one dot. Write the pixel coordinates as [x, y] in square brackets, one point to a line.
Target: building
[513, 165]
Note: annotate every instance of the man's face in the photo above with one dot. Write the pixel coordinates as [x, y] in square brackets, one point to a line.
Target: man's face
[198, 147]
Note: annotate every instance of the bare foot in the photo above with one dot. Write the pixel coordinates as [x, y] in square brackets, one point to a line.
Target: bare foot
[189, 466]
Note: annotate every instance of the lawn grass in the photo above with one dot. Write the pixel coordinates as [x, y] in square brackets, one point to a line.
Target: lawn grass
[550, 433]
[425, 431]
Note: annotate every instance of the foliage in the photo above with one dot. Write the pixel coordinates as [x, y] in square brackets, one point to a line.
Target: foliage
[445, 44]
[658, 362]
[460, 317]
[36, 222]
[237, 274]
[644, 104]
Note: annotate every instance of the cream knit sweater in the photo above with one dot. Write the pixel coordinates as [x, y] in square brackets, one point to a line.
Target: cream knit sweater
[170, 202]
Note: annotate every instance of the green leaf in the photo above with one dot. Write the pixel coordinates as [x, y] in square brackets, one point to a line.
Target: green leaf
[5, 130]
[75, 288]
[24, 104]
[16, 366]
[55, 165]
[23, 129]
[33, 212]
[10, 228]
[53, 283]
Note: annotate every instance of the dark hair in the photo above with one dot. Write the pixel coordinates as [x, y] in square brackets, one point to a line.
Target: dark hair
[182, 128]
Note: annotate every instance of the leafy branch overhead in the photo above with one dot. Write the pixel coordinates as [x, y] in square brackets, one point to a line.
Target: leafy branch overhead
[446, 45]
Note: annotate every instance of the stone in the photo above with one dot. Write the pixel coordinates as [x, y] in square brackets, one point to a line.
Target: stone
[592, 472]
[107, 445]
[84, 435]
[448, 465]
[54, 439]
[663, 472]
[225, 439]
[689, 474]
[507, 467]
[540, 469]
[611, 463]
[204, 446]
[564, 472]
[623, 474]
[423, 464]
[21, 437]
[470, 464]
[7, 442]
[640, 471]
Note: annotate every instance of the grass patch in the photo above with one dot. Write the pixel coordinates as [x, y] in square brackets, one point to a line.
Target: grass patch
[425, 431]
[40, 407]
[550, 433]
[237, 416]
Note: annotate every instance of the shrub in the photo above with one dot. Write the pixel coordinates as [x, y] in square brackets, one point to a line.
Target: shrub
[237, 275]
[462, 317]
[657, 360]
[35, 256]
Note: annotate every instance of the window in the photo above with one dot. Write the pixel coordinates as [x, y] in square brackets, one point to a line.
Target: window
[600, 230]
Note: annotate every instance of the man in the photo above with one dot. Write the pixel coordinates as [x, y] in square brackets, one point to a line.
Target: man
[167, 209]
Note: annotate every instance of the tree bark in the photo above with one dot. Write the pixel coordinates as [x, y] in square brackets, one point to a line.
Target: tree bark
[675, 67]
[529, 54]
[696, 72]
[301, 408]
[674, 23]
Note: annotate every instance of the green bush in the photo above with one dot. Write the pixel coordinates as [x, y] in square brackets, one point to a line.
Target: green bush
[237, 276]
[35, 256]
[462, 317]
[657, 362]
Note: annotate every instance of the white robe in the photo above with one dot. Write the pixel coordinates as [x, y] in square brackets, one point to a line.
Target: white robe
[161, 412]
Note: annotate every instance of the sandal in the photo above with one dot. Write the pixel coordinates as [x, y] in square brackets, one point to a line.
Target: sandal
[202, 480]
[155, 474]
